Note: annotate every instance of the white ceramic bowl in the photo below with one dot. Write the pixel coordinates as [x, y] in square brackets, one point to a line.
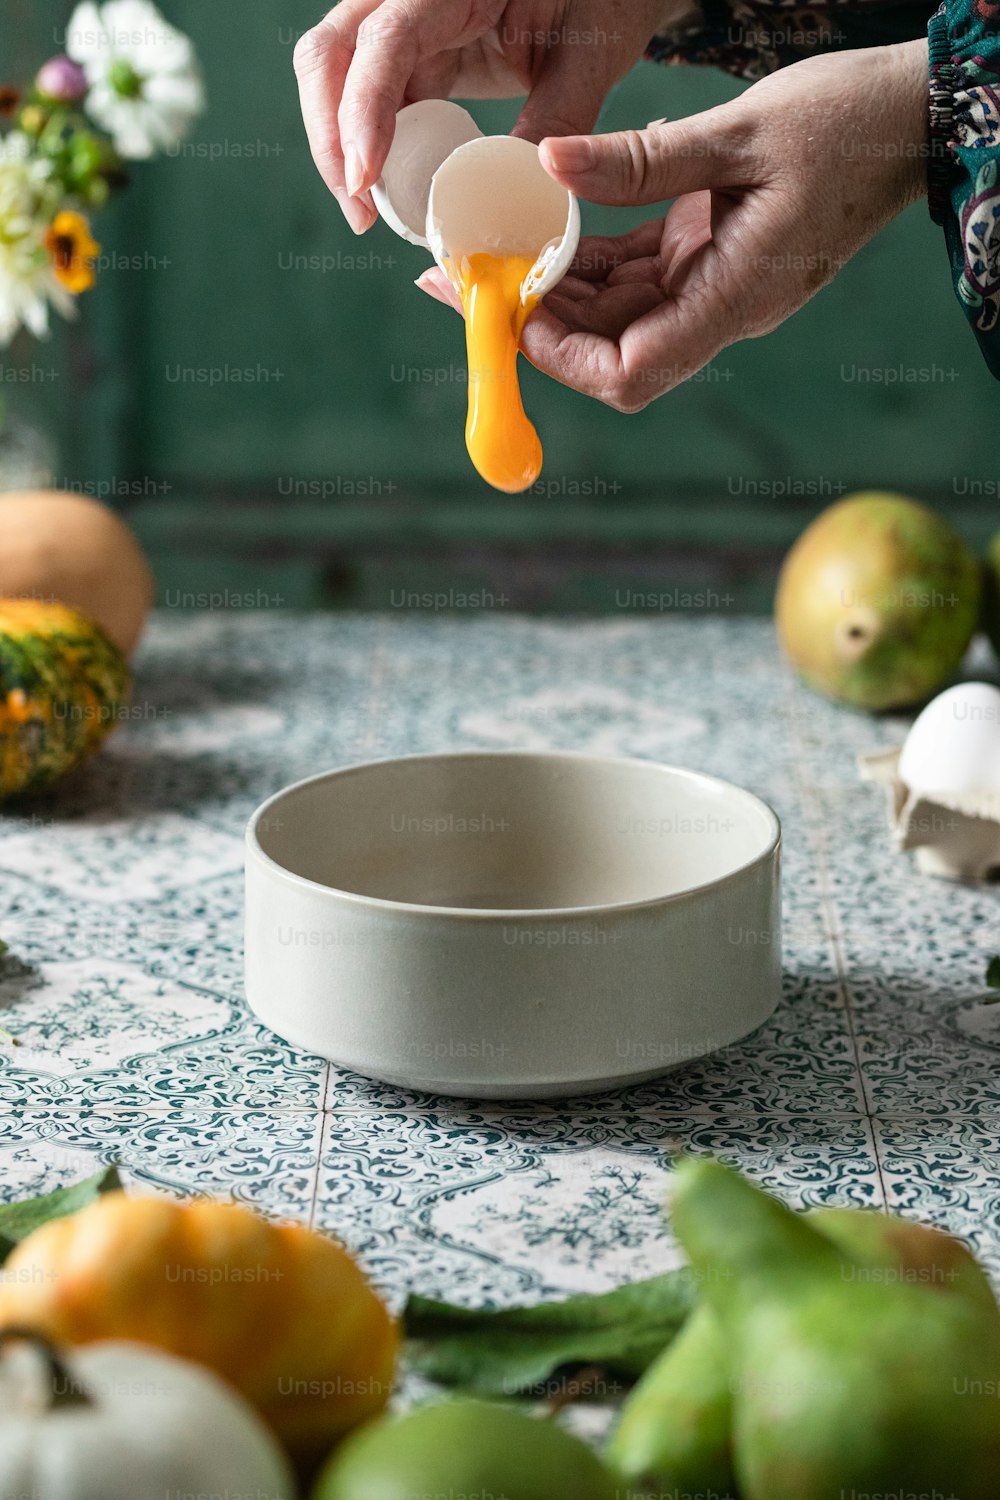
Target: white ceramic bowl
[513, 924]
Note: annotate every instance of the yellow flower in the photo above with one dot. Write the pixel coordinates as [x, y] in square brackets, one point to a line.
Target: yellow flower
[72, 248]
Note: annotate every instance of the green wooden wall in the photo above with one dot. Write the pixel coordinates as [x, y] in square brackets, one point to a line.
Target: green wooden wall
[240, 373]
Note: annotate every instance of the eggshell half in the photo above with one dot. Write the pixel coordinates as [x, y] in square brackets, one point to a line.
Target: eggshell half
[426, 134]
[493, 195]
[954, 744]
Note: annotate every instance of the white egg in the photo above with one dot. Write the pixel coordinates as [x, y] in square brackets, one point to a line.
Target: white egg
[426, 135]
[453, 190]
[493, 195]
[954, 744]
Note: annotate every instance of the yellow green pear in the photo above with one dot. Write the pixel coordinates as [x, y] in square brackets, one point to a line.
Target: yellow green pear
[878, 601]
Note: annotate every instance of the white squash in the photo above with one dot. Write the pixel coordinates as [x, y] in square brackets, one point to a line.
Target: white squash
[118, 1421]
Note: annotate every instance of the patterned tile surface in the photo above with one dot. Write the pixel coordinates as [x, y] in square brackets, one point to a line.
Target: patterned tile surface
[876, 1082]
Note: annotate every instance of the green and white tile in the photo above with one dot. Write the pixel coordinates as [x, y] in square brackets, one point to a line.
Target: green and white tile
[121, 899]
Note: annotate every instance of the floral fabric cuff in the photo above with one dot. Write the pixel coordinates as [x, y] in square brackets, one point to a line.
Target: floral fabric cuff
[963, 177]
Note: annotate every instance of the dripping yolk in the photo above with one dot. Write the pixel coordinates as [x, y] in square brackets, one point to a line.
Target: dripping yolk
[501, 441]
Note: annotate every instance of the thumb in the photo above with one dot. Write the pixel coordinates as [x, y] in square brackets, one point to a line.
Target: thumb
[712, 150]
[566, 98]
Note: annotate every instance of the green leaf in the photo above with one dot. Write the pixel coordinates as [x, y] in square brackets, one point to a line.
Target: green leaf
[519, 1349]
[18, 1220]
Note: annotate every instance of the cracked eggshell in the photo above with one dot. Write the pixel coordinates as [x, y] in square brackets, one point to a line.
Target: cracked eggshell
[426, 134]
[493, 195]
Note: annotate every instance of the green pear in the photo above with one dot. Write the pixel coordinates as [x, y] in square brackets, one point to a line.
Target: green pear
[877, 601]
[991, 593]
[464, 1448]
[852, 1371]
[674, 1429]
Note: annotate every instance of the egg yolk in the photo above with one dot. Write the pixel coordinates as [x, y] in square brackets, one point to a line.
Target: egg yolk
[501, 441]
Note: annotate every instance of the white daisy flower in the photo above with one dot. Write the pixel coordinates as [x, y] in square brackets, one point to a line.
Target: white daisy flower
[28, 282]
[145, 86]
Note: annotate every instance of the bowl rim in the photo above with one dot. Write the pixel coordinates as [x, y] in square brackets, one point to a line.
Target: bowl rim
[507, 914]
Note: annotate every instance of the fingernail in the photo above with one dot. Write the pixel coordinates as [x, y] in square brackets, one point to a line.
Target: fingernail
[433, 290]
[358, 215]
[354, 174]
[571, 153]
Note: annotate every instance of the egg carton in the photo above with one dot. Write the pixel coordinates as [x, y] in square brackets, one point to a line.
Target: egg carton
[955, 834]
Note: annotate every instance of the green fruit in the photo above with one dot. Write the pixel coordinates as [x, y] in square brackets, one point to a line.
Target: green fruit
[877, 601]
[868, 1371]
[674, 1430]
[675, 1426]
[464, 1448]
[991, 593]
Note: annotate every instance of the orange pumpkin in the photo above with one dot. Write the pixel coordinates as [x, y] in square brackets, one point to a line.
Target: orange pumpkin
[284, 1314]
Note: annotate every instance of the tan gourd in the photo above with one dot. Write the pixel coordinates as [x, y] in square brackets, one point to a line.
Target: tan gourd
[70, 549]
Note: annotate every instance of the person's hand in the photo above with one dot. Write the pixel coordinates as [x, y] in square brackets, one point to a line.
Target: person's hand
[775, 192]
[368, 58]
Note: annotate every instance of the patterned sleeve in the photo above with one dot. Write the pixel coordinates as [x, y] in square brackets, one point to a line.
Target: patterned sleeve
[964, 171]
[751, 38]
